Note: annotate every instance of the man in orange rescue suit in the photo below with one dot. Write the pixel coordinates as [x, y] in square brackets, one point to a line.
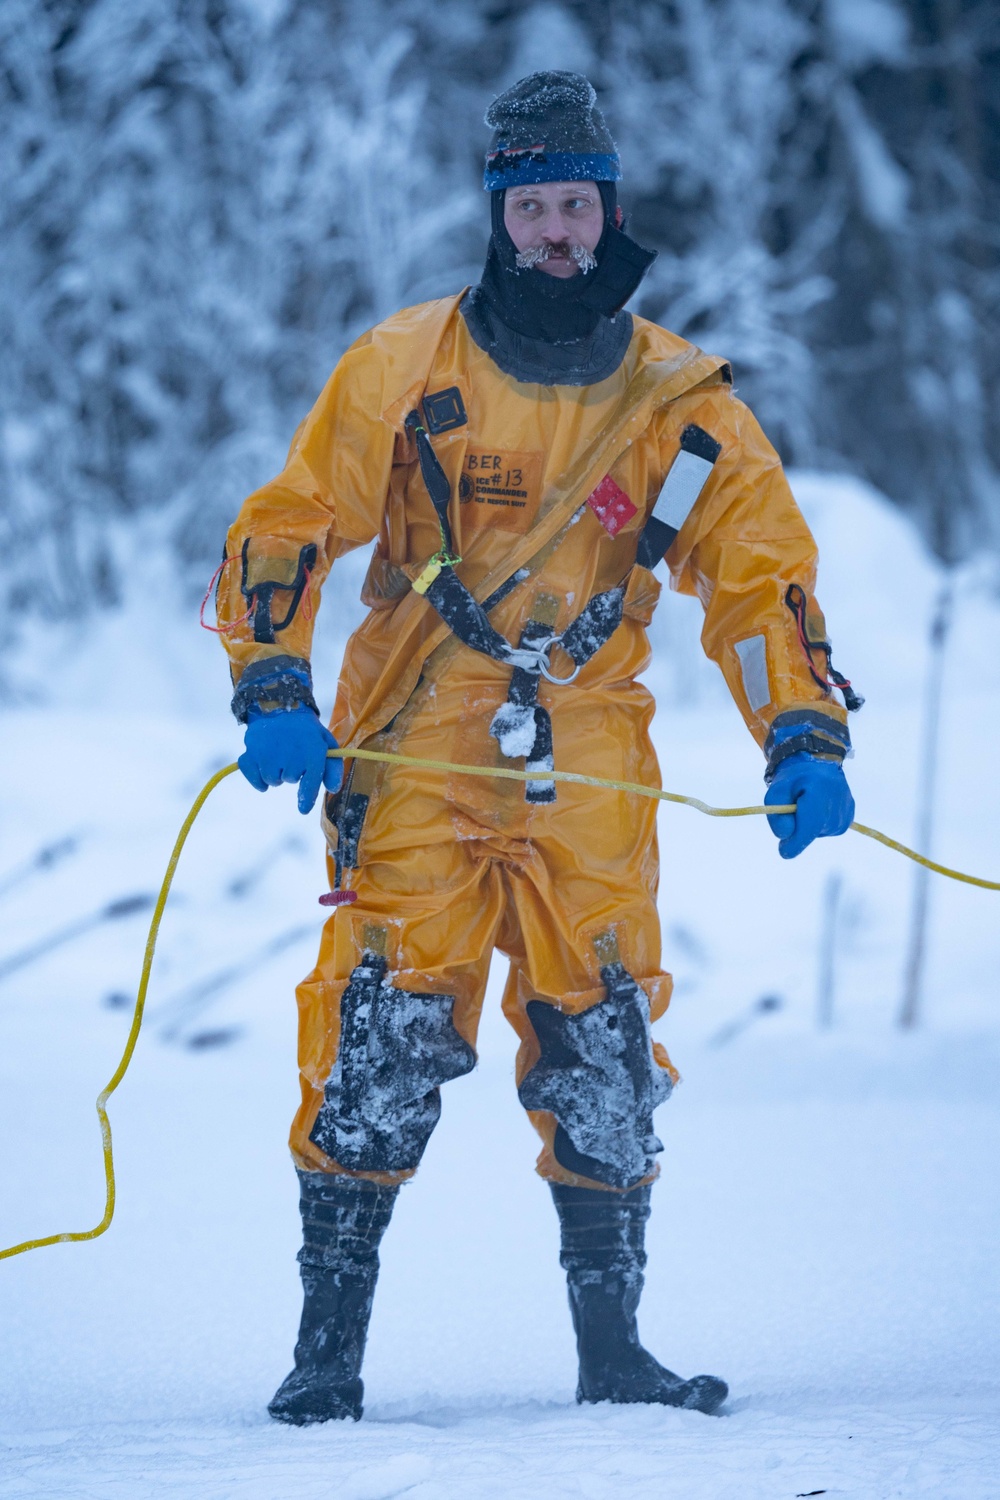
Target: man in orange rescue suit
[523, 455]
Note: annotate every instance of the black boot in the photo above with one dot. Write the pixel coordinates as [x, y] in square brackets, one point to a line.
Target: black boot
[343, 1221]
[603, 1255]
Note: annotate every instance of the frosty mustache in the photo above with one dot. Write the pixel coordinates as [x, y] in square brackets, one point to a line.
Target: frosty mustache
[527, 260]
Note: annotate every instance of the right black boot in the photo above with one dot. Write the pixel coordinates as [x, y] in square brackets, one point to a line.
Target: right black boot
[604, 1257]
[343, 1221]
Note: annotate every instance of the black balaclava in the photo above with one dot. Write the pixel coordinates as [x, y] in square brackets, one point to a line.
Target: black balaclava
[548, 128]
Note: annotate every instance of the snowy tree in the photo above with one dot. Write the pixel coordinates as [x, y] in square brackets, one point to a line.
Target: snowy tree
[202, 204]
[821, 181]
[910, 343]
[707, 98]
[201, 207]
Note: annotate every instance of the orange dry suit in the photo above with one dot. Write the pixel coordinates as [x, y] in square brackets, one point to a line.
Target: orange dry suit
[536, 498]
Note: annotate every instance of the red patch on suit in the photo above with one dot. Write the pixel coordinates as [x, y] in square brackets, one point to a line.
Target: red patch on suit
[611, 505]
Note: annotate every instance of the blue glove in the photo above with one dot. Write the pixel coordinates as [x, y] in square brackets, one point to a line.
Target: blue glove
[824, 805]
[290, 745]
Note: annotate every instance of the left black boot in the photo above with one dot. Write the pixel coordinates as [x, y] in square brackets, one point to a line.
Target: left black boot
[343, 1221]
[603, 1255]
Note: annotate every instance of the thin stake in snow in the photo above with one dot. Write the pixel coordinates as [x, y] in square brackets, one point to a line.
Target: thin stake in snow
[241, 885]
[828, 950]
[45, 858]
[909, 1011]
[182, 1008]
[125, 906]
[762, 1007]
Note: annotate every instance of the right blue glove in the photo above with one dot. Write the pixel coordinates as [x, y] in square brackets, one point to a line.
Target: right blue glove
[290, 745]
[824, 806]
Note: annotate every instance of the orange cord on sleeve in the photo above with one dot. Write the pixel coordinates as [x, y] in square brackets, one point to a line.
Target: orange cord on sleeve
[233, 624]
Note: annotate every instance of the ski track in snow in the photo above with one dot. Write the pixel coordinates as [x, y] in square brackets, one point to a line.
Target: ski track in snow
[825, 1234]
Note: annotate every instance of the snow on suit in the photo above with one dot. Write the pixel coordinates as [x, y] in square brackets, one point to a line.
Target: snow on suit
[550, 486]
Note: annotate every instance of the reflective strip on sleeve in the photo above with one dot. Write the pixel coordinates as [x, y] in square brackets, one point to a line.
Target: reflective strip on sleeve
[753, 665]
[681, 488]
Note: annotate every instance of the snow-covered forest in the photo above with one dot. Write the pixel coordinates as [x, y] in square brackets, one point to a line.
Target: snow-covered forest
[202, 204]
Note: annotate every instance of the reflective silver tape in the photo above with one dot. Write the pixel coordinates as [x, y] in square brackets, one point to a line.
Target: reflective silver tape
[681, 488]
[753, 665]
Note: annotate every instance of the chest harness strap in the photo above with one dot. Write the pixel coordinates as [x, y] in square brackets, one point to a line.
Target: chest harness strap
[521, 726]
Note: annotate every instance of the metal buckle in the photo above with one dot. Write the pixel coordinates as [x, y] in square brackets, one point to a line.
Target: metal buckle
[536, 659]
[544, 647]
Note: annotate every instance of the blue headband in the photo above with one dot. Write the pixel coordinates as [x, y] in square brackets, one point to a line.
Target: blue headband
[520, 166]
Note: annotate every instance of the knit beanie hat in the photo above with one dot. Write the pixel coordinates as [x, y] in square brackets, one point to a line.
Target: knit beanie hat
[547, 128]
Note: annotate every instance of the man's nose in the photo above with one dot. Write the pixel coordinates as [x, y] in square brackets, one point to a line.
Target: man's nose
[556, 230]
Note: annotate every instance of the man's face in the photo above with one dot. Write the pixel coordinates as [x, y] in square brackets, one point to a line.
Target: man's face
[555, 226]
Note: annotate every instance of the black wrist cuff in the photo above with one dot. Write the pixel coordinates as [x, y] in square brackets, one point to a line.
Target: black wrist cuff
[284, 681]
[800, 729]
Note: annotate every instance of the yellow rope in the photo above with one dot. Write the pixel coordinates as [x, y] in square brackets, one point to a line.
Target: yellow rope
[652, 791]
[509, 774]
[133, 1036]
[500, 772]
[928, 864]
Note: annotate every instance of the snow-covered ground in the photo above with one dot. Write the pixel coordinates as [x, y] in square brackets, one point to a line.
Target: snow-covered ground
[825, 1235]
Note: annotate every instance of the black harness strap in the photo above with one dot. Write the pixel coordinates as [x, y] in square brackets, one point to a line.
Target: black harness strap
[521, 726]
[462, 612]
[507, 587]
[465, 616]
[434, 477]
[594, 625]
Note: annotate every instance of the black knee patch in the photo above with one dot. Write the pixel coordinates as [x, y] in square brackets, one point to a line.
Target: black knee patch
[383, 1099]
[598, 1076]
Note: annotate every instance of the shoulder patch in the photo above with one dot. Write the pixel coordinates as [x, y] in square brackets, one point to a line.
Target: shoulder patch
[444, 410]
[611, 505]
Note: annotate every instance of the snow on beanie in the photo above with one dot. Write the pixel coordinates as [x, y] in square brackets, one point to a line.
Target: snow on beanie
[547, 128]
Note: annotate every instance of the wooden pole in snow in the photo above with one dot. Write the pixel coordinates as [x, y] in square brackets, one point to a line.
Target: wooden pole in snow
[909, 1010]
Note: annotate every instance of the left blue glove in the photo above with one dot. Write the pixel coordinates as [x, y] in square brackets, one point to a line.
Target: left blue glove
[290, 745]
[823, 802]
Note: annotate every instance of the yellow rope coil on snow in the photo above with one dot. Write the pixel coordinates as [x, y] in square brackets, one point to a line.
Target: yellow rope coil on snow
[500, 772]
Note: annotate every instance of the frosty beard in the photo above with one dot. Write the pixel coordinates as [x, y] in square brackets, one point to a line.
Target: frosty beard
[536, 255]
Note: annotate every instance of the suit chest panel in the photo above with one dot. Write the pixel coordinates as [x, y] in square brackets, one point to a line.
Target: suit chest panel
[515, 442]
[507, 443]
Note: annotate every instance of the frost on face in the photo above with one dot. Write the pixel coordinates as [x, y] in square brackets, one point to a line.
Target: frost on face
[383, 1099]
[598, 1076]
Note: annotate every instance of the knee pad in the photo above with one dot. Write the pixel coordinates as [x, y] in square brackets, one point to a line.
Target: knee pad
[383, 1097]
[598, 1076]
